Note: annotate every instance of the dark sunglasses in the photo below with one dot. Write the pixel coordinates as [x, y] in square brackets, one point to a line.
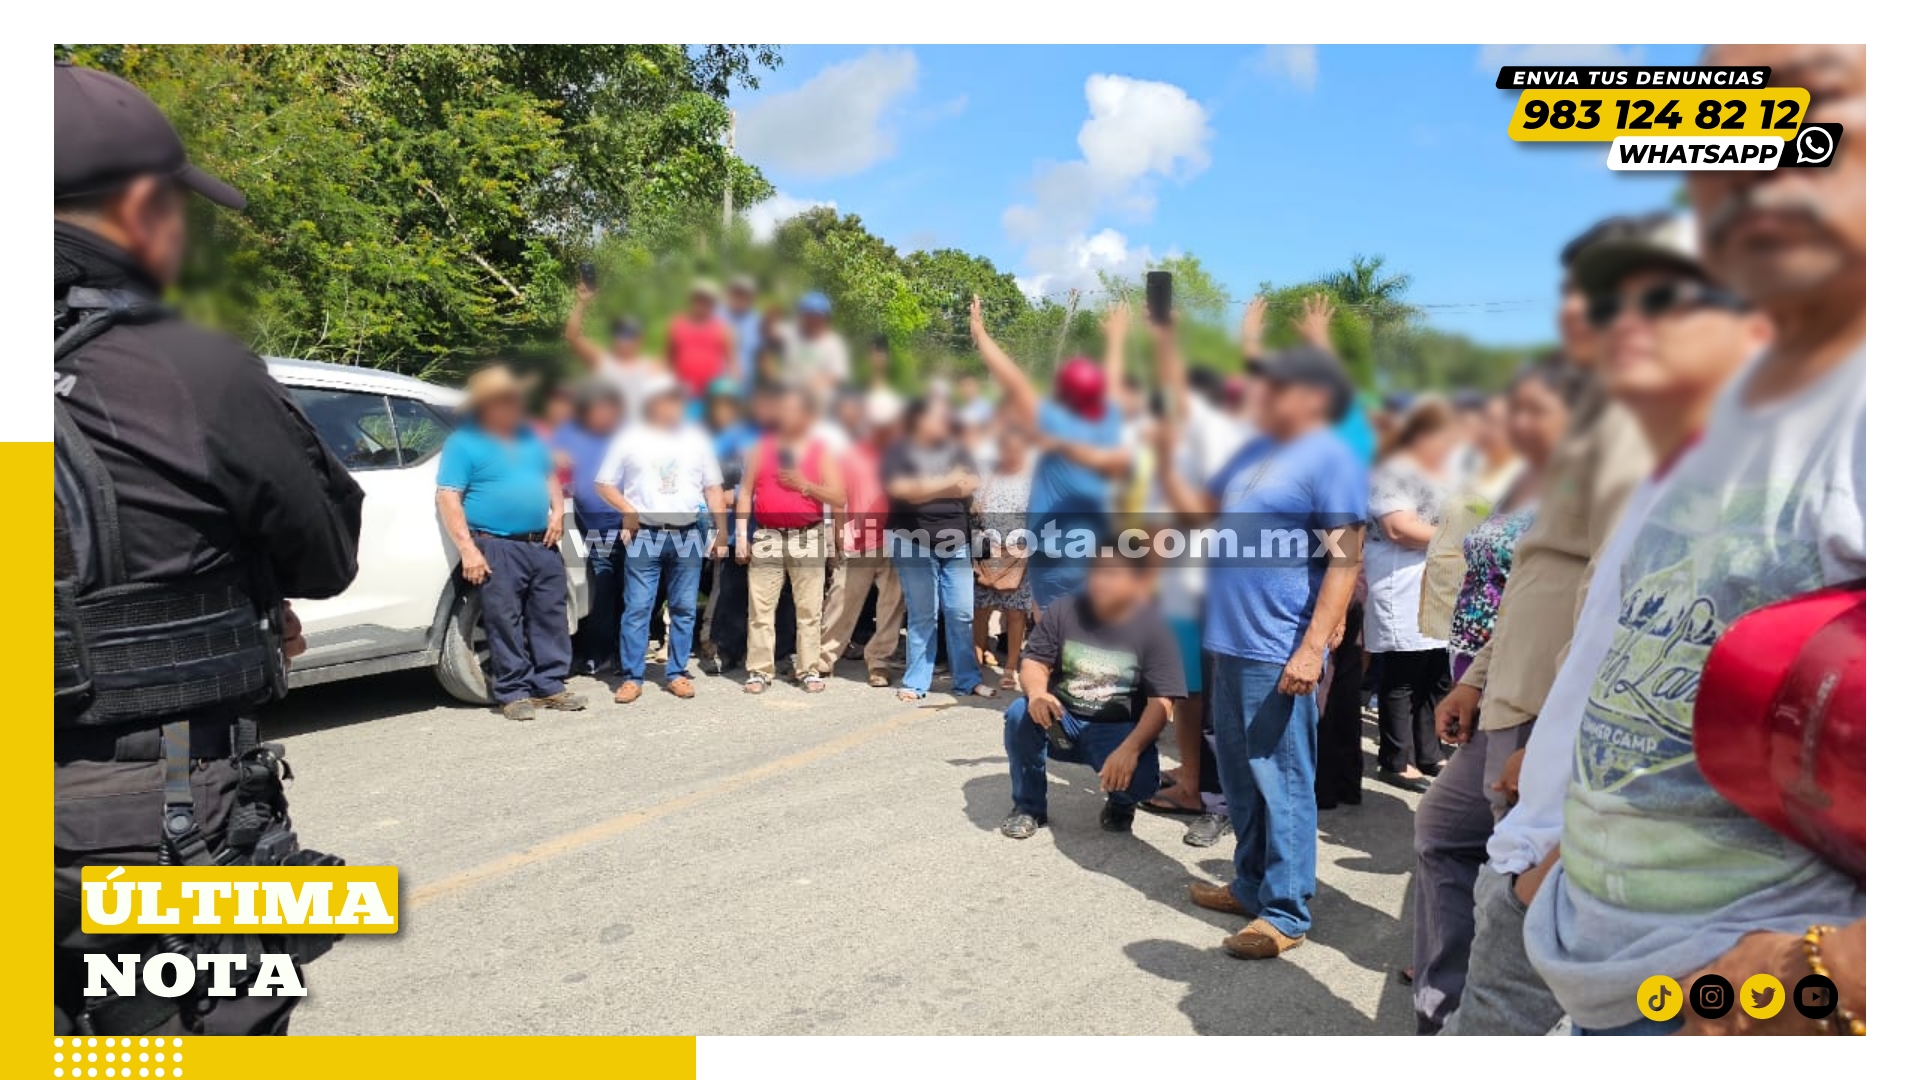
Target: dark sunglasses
[1683, 295]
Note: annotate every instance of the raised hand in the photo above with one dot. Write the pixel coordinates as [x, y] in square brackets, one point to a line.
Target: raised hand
[1253, 326]
[1316, 319]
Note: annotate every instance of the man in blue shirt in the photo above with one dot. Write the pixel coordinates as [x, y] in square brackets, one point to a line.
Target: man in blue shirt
[1289, 507]
[743, 318]
[1078, 434]
[502, 506]
[600, 413]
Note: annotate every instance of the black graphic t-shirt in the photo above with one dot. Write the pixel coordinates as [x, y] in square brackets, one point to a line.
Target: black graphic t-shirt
[1104, 672]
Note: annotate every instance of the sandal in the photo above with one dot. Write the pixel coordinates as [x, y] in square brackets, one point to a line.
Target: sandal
[812, 684]
[1166, 807]
[982, 690]
[910, 695]
[755, 684]
[1009, 681]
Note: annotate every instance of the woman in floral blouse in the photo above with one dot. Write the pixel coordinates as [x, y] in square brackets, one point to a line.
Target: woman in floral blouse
[1453, 821]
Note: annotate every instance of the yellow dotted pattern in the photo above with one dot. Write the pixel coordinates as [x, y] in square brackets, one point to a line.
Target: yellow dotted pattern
[123, 1058]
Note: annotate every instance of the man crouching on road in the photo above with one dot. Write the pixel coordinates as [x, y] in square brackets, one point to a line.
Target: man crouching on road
[502, 507]
[1100, 671]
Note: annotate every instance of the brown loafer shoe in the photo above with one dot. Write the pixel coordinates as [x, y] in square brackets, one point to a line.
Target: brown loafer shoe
[564, 701]
[1215, 898]
[681, 687]
[1259, 940]
[628, 693]
[879, 679]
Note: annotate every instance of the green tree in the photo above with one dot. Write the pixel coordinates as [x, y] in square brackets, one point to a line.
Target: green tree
[418, 207]
[1364, 286]
[863, 274]
[1352, 332]
[945, 282]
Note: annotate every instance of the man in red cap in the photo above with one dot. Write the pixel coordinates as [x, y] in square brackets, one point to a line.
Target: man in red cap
[1659, 874]
[1079, 438]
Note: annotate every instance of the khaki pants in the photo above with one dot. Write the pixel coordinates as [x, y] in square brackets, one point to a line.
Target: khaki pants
[780, 556]
[853, 577]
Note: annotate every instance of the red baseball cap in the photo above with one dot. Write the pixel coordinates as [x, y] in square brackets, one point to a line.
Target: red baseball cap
[1082, 386]
[1780, 721]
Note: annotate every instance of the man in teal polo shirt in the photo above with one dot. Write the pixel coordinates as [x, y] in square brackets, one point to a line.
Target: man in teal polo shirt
[502, 506]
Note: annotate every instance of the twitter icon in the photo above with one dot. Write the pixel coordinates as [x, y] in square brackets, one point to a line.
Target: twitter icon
[1762, 996]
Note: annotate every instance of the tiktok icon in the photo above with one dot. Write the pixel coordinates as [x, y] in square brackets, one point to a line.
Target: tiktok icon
[1660, 998]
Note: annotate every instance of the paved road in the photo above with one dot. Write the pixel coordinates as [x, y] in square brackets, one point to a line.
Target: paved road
[792, 864]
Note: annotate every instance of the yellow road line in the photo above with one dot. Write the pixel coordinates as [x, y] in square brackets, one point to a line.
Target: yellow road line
[566, 843]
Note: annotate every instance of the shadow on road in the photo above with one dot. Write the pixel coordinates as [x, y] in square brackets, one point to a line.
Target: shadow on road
[1225, 997]
[1279, 997]
[353, 701]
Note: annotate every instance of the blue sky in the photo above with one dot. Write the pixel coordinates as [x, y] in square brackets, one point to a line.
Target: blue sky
[1269, 162]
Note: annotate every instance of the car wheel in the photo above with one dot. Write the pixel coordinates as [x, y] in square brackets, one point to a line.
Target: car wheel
[462, 670]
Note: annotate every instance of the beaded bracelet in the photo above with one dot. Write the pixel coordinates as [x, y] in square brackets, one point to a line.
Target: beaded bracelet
[1842, 1022]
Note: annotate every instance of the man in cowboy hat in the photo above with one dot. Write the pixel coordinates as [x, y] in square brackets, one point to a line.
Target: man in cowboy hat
[501, 504]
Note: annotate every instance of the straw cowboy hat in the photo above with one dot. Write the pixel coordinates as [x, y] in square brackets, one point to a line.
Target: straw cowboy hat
[493, 382]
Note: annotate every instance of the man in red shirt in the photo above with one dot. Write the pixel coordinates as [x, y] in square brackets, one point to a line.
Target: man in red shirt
[779, 533]
[699, 342]
[860, 564]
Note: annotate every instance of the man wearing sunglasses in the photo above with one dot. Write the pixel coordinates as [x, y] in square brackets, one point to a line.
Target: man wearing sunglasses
[1659, 873]
[1669, 340]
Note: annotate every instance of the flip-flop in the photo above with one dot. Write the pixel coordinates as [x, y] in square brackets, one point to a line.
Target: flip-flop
[1163, 807]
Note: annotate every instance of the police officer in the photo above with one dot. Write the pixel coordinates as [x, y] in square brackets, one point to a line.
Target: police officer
[191, 498]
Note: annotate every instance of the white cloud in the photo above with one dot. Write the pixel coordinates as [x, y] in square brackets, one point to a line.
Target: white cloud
[1077, 262]
[1137, 135]
[765, 217]
[1494, 57]
[1299, 64]
[835, 124]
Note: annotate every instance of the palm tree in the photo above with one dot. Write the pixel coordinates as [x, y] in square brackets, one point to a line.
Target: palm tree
[1378, 298]
[1363, 287]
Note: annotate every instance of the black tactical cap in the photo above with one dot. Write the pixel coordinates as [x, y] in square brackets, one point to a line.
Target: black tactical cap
[106, 133]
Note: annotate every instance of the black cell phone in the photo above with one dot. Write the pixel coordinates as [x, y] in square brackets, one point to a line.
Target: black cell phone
[1157, 405]
[1160, 296]
[588, 277]
[786, 457]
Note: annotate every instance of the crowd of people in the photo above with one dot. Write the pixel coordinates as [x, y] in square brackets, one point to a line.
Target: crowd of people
[1519, 588]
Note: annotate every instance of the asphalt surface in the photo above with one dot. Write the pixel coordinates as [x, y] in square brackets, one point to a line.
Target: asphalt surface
[793, 864]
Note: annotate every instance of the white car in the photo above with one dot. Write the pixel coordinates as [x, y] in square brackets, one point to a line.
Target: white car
[408, 608]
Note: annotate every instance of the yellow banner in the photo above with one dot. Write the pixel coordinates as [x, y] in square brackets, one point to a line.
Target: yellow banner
[1599, 115]
[240, 899]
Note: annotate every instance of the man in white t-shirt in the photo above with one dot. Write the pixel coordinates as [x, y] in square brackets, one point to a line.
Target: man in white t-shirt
[817, 360]
[1659, 874]
[1669, 341]
[623, 363]
[662, 475]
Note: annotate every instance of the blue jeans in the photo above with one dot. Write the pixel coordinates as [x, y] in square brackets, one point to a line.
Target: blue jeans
[1028, 750]
[661, 561]
[597, 640]
[937, 586]
[1266, 743]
